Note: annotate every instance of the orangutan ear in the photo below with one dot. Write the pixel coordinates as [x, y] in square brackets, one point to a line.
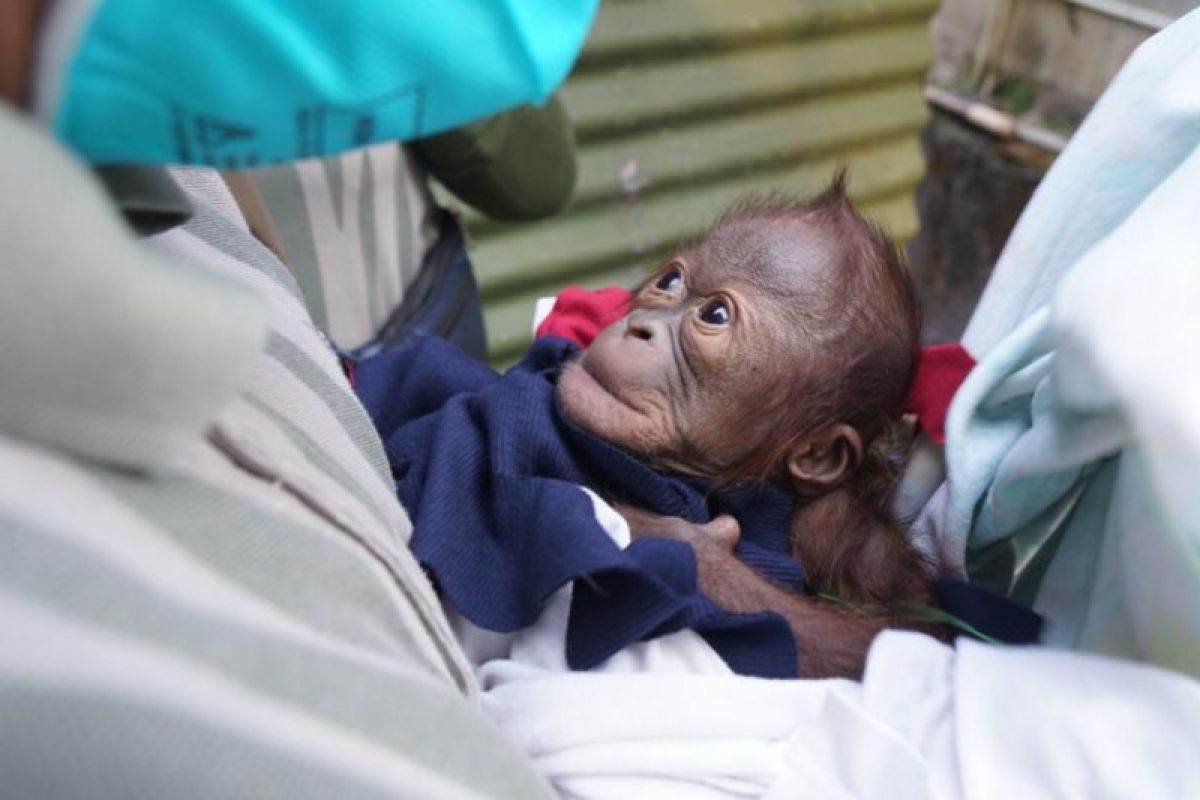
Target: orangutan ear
[824, 460]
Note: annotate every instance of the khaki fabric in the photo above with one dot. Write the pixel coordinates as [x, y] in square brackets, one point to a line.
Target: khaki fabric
[258, 219]
[205, 589]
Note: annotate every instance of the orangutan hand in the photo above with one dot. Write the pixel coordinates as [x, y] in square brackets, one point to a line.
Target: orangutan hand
[722, 533]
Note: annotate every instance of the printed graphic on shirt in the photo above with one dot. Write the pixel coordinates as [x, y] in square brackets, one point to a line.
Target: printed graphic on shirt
[228, 143]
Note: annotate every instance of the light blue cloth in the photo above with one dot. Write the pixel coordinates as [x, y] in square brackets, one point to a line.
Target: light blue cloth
[244, 83]
[1073, 449]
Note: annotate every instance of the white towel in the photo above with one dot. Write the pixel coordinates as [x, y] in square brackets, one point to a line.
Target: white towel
[667, 719]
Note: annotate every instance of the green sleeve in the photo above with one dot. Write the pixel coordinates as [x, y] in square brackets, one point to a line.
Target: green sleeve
[519, 165]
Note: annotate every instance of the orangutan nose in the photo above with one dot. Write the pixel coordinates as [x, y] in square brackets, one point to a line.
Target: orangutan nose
[639, 330]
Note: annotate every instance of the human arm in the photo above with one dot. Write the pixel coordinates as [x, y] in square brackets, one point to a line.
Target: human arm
[519, 165]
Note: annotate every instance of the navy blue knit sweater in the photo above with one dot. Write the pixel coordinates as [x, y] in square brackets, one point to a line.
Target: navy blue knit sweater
[490, 471]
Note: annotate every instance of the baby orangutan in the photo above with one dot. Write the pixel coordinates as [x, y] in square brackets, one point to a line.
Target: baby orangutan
[777, 349]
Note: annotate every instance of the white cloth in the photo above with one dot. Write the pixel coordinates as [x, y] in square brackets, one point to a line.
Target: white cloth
[667, 720]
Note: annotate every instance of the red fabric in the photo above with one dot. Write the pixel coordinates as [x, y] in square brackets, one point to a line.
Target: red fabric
[941, 369]
[579, 315]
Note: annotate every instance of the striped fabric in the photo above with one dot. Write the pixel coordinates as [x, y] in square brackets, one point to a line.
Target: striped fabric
[355, 228]
[239, 616]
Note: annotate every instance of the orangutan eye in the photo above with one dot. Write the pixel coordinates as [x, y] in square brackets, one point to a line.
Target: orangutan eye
[715, 312]
[671, 280]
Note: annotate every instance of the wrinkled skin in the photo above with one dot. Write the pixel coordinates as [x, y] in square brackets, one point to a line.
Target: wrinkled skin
[700, 351]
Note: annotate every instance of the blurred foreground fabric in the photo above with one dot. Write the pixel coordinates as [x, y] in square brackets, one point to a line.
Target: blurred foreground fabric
[205, 588]
[1073, 448]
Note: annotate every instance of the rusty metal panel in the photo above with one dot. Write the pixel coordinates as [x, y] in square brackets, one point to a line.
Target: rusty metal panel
[681, 106]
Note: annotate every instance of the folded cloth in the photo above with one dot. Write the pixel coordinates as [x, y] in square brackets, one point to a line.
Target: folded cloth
[668, 719]
[1072, 448]
[578, 315]
[491, 472]
[928, 721]
[941, 369]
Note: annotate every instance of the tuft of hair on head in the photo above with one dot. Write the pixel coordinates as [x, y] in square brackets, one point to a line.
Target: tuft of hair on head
[834, 195]
[776, 204]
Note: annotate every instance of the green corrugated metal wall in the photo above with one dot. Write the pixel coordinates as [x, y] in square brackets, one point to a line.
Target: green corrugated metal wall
[681, 106]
